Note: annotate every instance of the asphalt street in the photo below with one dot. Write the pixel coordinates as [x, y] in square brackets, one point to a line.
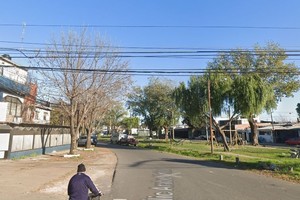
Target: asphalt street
[149, 175]
[129, 173]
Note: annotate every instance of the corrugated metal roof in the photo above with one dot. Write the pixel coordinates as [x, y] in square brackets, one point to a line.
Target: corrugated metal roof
[281, 127]
[13, 87]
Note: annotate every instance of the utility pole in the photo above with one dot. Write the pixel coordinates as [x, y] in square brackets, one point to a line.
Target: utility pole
[173, 124]
[210, 119]
[229, 114]
[272, 123]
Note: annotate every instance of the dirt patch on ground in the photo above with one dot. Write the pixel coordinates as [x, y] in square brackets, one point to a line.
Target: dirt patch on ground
[48, 175]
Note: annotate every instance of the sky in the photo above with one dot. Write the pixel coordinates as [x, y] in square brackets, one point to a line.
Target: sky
[159, 25]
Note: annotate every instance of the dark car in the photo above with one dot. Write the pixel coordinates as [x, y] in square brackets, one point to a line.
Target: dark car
[220, 139]
[293, 141]
[128, 140]
[82, 140]
[94, 139]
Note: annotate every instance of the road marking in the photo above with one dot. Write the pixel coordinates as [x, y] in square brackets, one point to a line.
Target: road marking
[164, 184]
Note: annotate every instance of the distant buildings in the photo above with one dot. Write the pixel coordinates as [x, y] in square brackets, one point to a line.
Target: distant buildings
[18, 97]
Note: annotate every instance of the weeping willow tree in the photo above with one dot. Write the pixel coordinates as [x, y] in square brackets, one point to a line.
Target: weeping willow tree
[251, 94]
[260, 78]
[192, 99]
[246, 81]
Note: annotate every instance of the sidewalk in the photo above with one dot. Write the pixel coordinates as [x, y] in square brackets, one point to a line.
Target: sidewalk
[46, 176]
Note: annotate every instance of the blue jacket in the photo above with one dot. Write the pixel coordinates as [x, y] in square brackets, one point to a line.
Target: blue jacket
[79, 186]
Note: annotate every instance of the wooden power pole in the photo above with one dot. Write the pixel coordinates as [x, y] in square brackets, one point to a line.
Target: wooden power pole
[210, 119]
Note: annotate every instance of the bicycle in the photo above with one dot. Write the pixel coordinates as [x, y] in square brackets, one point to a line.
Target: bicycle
[95, 197]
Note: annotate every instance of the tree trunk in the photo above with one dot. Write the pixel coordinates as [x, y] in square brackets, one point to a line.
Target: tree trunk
[226, 147]
[236, 137]
[150, 132]
[73, 136]
[88, 141]
[192, 133]
[254, 131]
[166, 133]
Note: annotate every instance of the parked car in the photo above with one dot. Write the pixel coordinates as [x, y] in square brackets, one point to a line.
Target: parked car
[220, 139]
[293, 141]
[83, 139]
[201, 137]
[94, 140]
[115, 137]
[123, 139]
[129, 140]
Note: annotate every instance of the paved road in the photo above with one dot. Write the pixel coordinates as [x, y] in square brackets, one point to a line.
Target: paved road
[149, 175]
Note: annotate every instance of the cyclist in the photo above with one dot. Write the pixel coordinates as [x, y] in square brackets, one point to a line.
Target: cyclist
[80, 184]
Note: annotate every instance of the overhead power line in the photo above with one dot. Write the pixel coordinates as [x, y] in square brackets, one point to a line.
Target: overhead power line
[134, 47]
[176, 72]
[153, 26]
[41, 53]
[117, 47]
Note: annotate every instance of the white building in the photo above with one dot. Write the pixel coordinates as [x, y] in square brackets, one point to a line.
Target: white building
[17, 96]
[42, 114]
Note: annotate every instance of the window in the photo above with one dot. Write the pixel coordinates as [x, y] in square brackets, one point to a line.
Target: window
[45, 116]
[14, 106]
[36, 115]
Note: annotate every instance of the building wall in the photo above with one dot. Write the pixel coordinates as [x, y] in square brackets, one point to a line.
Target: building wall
[20, 98]
[12, 118]
[14, 73]
[41, 116]
[33, 139]
[3, 113]
[4, 140]
[14, 80]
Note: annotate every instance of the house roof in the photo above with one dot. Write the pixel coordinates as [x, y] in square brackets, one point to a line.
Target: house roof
[13, 87]
[281, 127]
[10, 62]
[246, 126]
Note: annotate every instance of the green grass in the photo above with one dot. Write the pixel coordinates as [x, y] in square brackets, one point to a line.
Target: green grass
[26, 156]
[271, 161]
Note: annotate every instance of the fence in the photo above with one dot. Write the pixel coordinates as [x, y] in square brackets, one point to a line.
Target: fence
[17, 140]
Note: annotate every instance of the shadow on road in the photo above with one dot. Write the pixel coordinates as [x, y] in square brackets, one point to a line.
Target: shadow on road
[190, 161]
[193, 162]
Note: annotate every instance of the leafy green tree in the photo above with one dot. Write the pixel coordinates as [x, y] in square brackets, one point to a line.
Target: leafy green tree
[246, 81]
[154, 103]
[114, 117]
[58, 117]
[260, 78]
[298, 109]
[192, 101]
[130, 122]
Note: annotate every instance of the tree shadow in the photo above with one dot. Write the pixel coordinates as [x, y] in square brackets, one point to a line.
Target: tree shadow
[194, 162]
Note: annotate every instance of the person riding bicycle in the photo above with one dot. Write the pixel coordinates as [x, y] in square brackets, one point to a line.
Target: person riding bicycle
[80, 184]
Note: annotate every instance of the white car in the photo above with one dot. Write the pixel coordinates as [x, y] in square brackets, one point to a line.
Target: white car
[116, 137]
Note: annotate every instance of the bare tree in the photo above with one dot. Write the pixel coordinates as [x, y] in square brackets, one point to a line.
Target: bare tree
[74, 68]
